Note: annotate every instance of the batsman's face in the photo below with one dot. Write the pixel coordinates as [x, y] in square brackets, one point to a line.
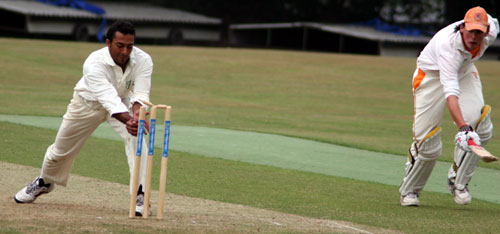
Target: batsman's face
[120, 48]
[473, 38]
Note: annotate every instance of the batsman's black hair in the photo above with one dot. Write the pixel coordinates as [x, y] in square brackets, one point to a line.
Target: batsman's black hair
[124, 27]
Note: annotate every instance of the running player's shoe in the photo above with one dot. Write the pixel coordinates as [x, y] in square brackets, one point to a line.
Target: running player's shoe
[410, 199]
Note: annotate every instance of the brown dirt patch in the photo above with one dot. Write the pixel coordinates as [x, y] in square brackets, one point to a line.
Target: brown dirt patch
[96, 206]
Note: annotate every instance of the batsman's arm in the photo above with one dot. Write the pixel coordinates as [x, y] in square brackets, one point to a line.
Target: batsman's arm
[455, 111]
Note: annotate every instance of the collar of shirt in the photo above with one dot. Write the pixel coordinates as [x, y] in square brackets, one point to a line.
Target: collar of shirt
[459, 43]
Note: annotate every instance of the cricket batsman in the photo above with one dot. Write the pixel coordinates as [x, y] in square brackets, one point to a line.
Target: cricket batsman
[447, 77]
[115, 80]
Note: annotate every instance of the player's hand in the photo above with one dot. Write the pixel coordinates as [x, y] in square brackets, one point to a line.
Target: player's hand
[464, 135]
[133, 124]
[132, 127]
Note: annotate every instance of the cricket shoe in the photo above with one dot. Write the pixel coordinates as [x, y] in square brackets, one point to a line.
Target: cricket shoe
[34, 189]
[463, 196]
[139, 207]
[410, 199]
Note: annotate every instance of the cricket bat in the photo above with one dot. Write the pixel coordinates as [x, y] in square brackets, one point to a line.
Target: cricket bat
[481, 152]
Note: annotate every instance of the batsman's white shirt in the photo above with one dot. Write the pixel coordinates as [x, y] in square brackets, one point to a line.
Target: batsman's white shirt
[104, 81]
[446, 68]
[103, 90]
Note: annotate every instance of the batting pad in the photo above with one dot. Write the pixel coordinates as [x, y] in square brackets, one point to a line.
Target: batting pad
[421, 162]
[466, 162]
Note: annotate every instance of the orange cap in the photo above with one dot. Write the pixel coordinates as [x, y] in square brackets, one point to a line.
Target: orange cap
[476, 19]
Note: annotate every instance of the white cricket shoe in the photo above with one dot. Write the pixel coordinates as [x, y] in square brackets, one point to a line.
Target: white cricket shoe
[410, 199]
[139, 207]
[462, 197]
[34, 189]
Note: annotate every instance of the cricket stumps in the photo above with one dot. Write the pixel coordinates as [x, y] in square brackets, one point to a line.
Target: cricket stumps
[149, 167]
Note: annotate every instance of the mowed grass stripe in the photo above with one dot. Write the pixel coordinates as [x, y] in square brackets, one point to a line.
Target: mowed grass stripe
[292, 153]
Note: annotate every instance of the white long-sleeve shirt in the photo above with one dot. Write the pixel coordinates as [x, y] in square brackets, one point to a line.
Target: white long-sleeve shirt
[446, 53]
[104, 81]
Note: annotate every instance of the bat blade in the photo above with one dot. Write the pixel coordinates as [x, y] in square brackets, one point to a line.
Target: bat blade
[481, 152]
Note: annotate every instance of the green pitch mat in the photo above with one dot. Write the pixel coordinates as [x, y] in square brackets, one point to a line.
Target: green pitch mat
[292, 153]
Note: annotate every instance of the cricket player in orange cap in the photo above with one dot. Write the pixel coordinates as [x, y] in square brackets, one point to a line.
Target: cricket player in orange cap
[447, 77]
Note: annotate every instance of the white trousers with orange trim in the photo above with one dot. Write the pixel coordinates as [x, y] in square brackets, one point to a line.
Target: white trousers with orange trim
[81, 119]
[429, 107]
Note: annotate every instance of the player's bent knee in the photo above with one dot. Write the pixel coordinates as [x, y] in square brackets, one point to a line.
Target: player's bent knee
[431, 147]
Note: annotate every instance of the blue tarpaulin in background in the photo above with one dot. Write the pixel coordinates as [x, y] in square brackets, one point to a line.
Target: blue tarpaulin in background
[82, 5]
[385, 27]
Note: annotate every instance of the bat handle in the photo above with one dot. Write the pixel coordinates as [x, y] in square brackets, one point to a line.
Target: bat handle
[471, 142]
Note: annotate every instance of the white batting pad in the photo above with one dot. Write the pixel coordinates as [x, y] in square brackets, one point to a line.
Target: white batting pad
[465, 163]
[419, 165]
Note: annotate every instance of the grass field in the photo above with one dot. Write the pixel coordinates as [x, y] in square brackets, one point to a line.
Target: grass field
[358, 101]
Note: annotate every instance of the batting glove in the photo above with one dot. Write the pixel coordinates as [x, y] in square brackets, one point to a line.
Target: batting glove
[462, 138]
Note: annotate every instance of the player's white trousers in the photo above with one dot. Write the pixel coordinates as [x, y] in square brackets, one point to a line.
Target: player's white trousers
[429, 107]
[81, 119]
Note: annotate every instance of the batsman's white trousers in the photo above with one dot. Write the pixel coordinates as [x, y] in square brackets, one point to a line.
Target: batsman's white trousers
[430, 101]
[81, 119]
